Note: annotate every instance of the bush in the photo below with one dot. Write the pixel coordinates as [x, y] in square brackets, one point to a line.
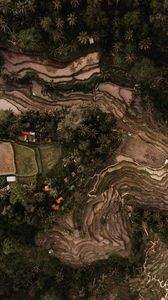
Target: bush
[143, 71]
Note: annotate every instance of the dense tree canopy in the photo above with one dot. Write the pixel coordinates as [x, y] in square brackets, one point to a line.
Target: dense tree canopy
[130, 26]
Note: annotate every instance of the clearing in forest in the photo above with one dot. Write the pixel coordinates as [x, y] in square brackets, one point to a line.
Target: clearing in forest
[25, 160]
[7, 164]
[50, 155]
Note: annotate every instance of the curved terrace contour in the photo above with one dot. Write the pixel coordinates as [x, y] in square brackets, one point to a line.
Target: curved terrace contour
[137, 176]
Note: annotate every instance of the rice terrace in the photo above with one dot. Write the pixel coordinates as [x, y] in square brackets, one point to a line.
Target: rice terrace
[137, 175]
[83, 150]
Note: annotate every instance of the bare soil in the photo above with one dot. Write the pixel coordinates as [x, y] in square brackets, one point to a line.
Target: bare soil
[143, 152]
[5, 105]
[7, 165]
[51, 71]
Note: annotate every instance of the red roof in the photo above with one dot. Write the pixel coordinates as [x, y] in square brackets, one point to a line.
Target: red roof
[59, 199]
[21, 138]
[25, 132]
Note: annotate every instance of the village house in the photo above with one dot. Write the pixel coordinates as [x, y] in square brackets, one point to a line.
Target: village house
[46, 188]
[10, 178]
[27, 136]
[59, 199]
[91, 40]
[55, 206]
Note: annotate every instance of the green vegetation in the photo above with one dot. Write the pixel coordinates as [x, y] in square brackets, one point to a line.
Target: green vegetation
[25, 160]
[43, 123]
[132, 38]
[4, 115]
[2, 182]
[129, 28]
[158, 222]
[91, 132]
[50, 155]
[7, 120]
[33, 273]
[86, 143]
[69, 146]
[85, 137]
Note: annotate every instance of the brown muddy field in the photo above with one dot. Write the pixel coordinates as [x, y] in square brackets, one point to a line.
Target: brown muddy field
[7, 165]
[143, 152]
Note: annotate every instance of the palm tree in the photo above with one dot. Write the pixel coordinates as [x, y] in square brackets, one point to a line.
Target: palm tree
[71, 18]
[83, 37]
[84, 130]
[95, 3]
[57, 4]
[103, 139]
[129, 35]
[30, 5]
[130, 57]
[62, 50]
[46, 23]
[59, 23]
[73, 46]
[3, 25]
[22, 8]
[56, 35]
[75, 3]
[93, 133]
[116, 23]
[5, 6]
[117, 47]
[145, 44]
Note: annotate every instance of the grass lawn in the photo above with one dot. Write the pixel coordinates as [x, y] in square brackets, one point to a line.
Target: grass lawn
[25, 160]
[28, 180]
[50, 155]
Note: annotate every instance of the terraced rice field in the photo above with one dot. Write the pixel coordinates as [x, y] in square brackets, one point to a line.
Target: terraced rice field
[104, 230]
[137, 176]
[152, 284]
[5, 105]
[25, 160]
[80, 69]
[143, 152]
[23, 101]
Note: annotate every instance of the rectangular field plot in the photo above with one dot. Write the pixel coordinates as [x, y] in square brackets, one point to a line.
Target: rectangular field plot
[7, 164]
[50, 155]
[25, 160]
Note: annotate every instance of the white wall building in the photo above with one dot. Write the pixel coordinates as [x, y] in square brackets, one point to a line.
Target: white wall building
[11, 178]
